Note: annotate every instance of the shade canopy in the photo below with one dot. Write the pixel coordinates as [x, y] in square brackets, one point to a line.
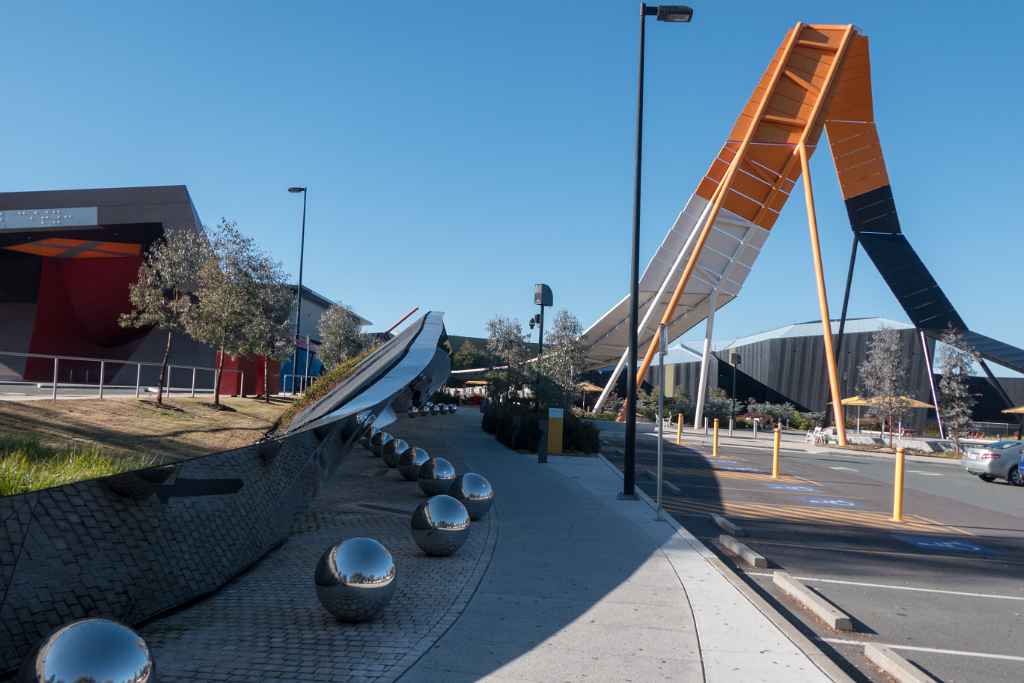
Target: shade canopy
[589, 387]
[909, 402]
[1016, 410]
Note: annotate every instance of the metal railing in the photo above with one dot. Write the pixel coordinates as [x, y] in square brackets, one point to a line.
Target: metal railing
[73, 363]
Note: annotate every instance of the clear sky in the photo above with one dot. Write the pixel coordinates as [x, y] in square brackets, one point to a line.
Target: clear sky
[456, 152]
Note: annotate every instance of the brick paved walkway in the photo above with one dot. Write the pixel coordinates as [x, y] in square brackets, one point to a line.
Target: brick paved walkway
[268, 625]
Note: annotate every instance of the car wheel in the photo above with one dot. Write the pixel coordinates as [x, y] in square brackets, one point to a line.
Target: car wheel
[986, 477]
[1014, 476]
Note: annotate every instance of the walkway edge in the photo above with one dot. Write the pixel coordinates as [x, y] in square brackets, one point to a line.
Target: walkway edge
[802, 642]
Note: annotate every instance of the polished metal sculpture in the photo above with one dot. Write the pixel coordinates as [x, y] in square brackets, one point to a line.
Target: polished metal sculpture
[434, 409]
[475, 492]
[424, 410]
[440, 525]
[393, 455]
[373, 439]
[90, 650]
[410, 461]
[412, 411]
[436, 476]
[385, 447]
[139, 484]
[355, 579]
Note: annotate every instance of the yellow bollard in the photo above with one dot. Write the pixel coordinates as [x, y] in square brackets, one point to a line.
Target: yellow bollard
[897, 488]
[775, 452]
[714, 439]
[679, 429]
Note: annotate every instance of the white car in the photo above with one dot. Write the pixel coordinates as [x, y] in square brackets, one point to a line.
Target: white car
[995, 460]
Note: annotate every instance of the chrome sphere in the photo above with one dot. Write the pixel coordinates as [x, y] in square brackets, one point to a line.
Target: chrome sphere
[409, 463]
[91, 650]
[355, 579]
[436, 476]
[424, 410]
[434, 409]
[393, 455]
[412, 411]
[373, 438]
[451, 408]
[386, 446]
[440, 525]
[475, 492]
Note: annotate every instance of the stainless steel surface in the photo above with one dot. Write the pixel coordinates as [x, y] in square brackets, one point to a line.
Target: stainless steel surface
[90, 650]
[475, 492]
[440, 525]
[434, 409]
[355, 579]
[424, 410]
[386, 449]
[412, 411]
[374, 439]
[139, 484]
[436, 476]
[392, 456]
[409, 463]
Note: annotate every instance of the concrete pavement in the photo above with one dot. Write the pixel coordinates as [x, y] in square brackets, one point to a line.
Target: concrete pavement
[583, 586]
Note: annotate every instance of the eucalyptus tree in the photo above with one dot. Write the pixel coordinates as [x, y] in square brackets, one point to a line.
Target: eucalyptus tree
[956, 403]
[269, 332]
[227, 287]
[341, 336]
[883, 376]
[506, 341]
[564, 355]
[164, 294]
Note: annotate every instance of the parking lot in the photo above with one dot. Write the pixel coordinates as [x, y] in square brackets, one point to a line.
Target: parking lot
[943, 588]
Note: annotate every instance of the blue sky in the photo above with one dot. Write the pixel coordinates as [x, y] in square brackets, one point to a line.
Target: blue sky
[456, 153]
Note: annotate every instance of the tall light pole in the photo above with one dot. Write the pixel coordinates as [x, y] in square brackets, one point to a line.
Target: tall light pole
[298, 300]
[670, 13]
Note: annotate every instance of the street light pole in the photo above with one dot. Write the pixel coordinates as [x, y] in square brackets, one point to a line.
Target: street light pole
[298, 303]
[671, 13]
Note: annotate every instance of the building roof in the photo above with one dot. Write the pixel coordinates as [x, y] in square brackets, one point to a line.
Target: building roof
[311, 295]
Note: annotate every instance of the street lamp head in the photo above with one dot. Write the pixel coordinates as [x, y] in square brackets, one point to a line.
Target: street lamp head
[674, 13]
[296, 189]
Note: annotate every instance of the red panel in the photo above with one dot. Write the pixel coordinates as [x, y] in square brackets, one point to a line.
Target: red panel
[252, 369]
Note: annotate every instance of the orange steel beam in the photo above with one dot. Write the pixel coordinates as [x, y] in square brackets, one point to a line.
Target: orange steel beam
[819, 275]
[691, 262]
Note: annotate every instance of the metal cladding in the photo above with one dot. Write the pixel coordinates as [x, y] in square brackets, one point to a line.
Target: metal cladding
[410, 461]
[90, 650]
[440, 525]
[475, 492]
[355, 579]
[436, 476]
[133, 547]
[401, 448]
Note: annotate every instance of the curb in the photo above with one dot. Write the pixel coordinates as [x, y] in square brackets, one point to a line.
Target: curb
[833, 617]
[894, 665]
[727, 526]
[749, 557]
[795, 636]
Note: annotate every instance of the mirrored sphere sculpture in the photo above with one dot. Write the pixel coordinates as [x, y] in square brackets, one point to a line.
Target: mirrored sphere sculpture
[440, 525]
[412, 411]
[435, 476]
[373, 438]
[435, 409]
[385, 445]
[475, 492]
[410, 461]
[424, 410]
[393, 455]
[355, 579]
[91, 650]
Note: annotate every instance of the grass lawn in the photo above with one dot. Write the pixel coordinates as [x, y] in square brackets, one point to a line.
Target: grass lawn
[46, 443]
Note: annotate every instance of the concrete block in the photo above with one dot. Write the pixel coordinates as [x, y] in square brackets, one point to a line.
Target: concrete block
[743, 552]
[895, 666]
[727, 526]
[833, 617]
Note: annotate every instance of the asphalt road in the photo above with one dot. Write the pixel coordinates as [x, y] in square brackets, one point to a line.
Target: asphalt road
[944, 588]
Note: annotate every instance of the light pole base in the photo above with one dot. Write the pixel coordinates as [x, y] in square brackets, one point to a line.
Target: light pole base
[624, 496]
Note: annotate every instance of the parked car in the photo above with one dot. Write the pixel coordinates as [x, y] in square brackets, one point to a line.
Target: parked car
[996, 460]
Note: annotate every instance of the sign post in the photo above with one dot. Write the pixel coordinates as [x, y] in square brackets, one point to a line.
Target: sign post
[663, 343]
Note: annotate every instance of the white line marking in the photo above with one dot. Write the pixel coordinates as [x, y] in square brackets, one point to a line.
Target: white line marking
[843, 582]
[927, 474]
[916, 648]
[844, 469]
[669, 485]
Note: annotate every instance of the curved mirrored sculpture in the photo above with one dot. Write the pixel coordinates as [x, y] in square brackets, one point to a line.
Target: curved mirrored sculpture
[90, 650]
[436, 476]
[139, 484]
[475, 492]
[393, 454]
[440, 525]
[355, 579]
[410, 461]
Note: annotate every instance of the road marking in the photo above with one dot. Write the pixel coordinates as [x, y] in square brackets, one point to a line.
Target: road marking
[893, 553]
[843, 469]
[803, 514]
[954, 544]
[917, 648]
[927, 474]
[915, 589]
[792, 487]
[831, 502]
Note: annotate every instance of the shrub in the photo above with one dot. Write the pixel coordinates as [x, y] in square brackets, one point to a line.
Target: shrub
[580, 435]
[323, 385]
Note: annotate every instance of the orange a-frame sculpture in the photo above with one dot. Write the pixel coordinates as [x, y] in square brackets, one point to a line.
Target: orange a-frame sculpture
[819, 78]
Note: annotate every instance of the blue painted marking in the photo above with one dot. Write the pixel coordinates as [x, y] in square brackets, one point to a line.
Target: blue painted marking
[736, 468]
[944, 544]
[831, 502]
[793, 487]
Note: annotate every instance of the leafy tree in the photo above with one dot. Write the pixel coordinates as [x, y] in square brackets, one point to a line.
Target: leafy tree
[956, 402]
[341, 336]
[564, 355]
[269, 332]
[718, 404]
[225, 290]
[883, 376]
[471, 355]
[506, 341]
[164, 294]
